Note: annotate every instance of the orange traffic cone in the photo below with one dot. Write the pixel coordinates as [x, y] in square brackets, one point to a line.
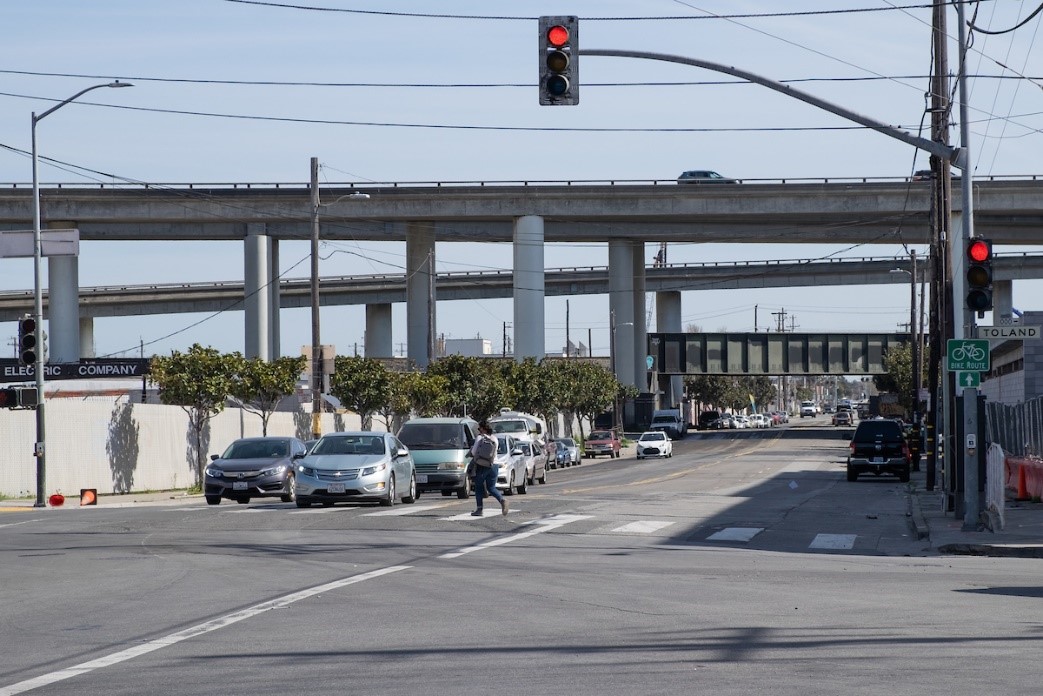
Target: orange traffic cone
[1023, 493]
[88, 496]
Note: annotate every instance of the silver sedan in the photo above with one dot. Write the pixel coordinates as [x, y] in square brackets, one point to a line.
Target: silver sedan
[345, 467]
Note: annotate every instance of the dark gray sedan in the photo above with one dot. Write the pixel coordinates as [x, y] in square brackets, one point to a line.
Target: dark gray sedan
[253, 467]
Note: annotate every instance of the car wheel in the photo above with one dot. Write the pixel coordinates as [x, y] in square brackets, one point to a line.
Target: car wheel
[639, 457]
[390, 499]
[543, 479]
[510, 485]
[303, 503]
[465, 492]
[531, 481]
[291, 486]
[412, 495]
[852, 475]
[904, 476]
[522, 488]
[213, 500]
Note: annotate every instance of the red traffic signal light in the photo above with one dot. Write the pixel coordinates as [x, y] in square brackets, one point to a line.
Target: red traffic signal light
[8, 397]
[27, 340]
[979, 275]
[559, 61]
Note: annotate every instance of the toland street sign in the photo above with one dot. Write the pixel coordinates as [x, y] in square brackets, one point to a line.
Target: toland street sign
[1012, 332]
[967, 355]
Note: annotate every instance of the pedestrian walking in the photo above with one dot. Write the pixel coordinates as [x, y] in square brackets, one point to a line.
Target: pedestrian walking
[483, 456]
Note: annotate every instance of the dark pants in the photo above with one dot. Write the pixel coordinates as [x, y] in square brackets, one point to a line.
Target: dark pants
[485, 478]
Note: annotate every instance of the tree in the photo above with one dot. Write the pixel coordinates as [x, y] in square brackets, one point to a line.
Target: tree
[361, 384]
[200, 382]
[898, 361]
[475, 387]
[709, 389]
[588, 390]
[260, 385]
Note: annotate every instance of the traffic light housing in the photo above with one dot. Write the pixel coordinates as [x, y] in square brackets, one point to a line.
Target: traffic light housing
[559, 60]
[28, 340]
[8, 397]
[979, 275]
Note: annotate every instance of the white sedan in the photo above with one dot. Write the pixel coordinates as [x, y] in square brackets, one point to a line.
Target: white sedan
[654, 443]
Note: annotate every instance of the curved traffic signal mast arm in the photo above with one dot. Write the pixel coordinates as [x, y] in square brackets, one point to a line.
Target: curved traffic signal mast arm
[946, 152]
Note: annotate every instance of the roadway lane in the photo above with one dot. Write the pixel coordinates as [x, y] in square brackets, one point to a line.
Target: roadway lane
[605, 580]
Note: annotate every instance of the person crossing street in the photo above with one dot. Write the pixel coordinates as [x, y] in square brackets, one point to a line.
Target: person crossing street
[483, 455]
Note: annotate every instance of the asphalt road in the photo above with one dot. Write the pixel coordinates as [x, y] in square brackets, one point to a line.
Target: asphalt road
[745, 564]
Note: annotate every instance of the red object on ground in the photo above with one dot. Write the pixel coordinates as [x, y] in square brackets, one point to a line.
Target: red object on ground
[56, 500]
[1025, 476]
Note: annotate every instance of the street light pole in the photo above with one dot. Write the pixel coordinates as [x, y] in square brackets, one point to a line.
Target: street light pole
[39, 448]
[316, 344]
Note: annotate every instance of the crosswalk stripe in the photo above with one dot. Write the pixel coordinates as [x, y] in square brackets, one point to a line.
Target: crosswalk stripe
[490, 512]
[536, 527]
[833, 541]
[405, 510]
[736, 534]
[642, 527]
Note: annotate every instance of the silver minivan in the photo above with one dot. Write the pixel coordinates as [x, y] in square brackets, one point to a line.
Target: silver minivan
[441, 450]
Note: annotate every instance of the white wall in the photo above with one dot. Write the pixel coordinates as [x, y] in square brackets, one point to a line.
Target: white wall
[119, 447]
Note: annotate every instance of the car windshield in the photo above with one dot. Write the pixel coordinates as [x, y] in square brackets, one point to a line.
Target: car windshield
[512, 426]
[349, 444]
[652, 436]
[600, 435]
[257, 449]
[664, 419]
[567, 441]
[433, 436]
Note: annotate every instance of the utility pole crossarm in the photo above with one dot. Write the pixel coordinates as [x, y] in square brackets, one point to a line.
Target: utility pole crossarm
[945, 152]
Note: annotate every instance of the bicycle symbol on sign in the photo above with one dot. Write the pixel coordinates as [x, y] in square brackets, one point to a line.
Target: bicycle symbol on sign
[969, 352]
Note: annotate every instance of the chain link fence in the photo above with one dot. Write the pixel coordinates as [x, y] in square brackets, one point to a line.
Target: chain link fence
[1017, 428]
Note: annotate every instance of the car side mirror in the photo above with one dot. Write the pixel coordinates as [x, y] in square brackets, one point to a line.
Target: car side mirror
[402, 452]
[298, 455]
[214, 457]
[516, 452]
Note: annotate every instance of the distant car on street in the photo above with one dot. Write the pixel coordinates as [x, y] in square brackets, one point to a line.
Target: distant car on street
[572, 447]
[654, 443]
[704, 176]
[602, 442]
[842, 418]
[253, 467]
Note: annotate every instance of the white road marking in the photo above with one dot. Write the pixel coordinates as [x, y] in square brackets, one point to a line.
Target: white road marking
[493, 511]
[540, 526]
[192, 632]
[736, 534]
[318, 511]
[405, 510]
[642, 527]
[833, 541]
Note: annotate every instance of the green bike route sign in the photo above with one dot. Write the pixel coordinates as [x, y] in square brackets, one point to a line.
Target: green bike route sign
[967, 355]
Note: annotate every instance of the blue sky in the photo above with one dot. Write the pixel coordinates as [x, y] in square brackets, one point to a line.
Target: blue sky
[191, 118]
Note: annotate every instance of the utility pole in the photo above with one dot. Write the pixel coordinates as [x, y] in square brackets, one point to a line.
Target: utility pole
[316, 347]
[568, 341]
[780, 320]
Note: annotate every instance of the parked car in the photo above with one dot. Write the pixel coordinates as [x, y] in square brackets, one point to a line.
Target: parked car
[602, 442]
[350, 466]
[654, 443]
[758, 420]
[842, 418]
[725, 422]
[572, 447]
[535, 458]
[670, 422]
[878, 446]
[510, 463]
[703, 176]
[708, 420]
[741, 421]
[253, 467]
[558, 456]
[441, 450]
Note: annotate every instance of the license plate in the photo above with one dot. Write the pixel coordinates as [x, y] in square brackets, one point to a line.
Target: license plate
[421, 478]
[335, 488]
[877, 460]
[240, 486]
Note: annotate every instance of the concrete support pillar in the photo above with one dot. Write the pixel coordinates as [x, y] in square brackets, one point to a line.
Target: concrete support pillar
[668, 320]
[1002, 302]
[640, 319]
[378, 331]
[256, 291]
[421, 300]
[87, 337]
[529, 324]
[621, 308]
[63, 304]
[274, 301]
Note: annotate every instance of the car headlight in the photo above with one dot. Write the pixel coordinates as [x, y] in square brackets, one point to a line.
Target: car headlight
[306, 470]
[272, 471]
[214, 473]
[374, 469]
[451, 466]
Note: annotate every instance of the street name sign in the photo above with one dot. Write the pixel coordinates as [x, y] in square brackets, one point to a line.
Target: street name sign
[967, 355]
[1011, 332]
[91, 368]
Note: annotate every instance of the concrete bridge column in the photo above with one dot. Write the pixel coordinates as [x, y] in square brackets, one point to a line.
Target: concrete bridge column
[87, 337]
[420, 293]
[1002, 302]
[274, 301]
[255, 287]
[640, 319]
[63, 304]
[378, 331]
[668, 320]
[529, 324]
[621, 308]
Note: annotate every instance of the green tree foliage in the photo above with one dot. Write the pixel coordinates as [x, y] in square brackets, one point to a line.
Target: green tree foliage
[260, 385]
[475, 387]
[898, 361]
[420, 393]
[198, 381]
[587, 389]
[361, 384]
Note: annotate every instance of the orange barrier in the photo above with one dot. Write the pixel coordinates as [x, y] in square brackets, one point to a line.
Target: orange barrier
[1025, 476]
[88, 496]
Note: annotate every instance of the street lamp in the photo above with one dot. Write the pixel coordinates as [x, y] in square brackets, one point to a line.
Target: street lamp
[914, 335]
[39, 451]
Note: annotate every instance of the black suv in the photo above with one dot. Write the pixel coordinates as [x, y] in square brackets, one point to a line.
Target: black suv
[878, 447]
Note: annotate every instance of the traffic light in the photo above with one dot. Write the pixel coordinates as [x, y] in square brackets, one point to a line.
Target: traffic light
[8, 397]
[979, 275]
[28, 341]
[559, 60]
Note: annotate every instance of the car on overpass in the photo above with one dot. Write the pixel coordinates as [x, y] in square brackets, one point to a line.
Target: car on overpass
[704, 176]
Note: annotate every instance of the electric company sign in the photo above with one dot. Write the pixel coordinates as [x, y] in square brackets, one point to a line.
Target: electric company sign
[100, 368]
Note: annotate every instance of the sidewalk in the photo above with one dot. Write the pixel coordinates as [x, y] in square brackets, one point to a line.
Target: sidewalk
[113, 500]
[1020, 537]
